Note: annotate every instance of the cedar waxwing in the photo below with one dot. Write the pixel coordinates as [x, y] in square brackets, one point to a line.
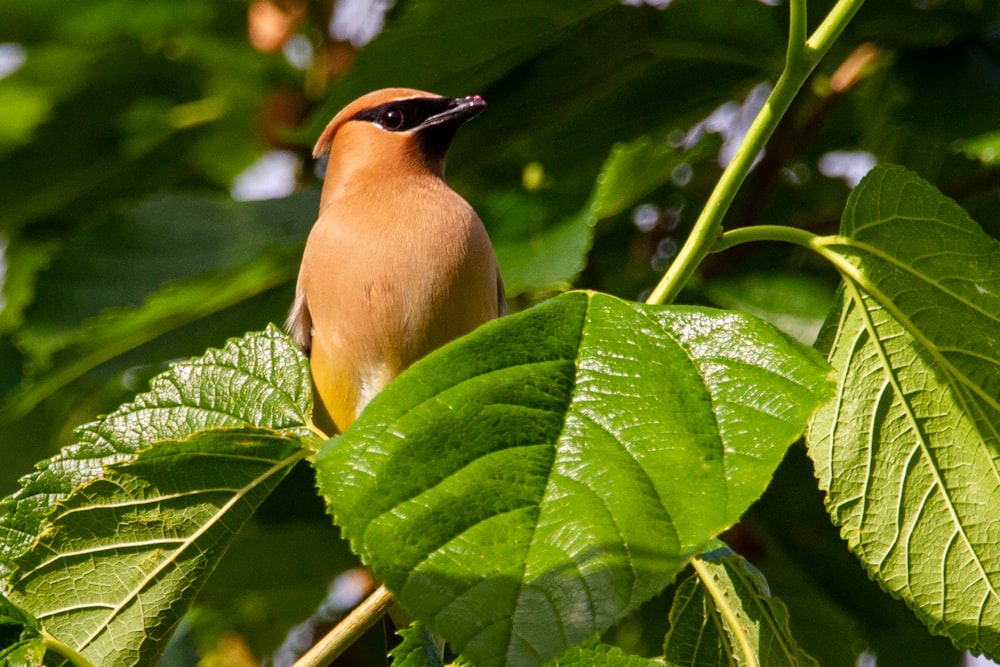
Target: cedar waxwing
[397, 263]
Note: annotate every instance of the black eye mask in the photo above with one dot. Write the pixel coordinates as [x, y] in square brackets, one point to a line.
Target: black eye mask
[403, 115]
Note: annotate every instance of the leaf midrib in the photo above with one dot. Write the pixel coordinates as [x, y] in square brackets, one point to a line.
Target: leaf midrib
[833, 241]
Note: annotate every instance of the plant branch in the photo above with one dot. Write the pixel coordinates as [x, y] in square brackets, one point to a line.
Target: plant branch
[355, 624]
[803, 55]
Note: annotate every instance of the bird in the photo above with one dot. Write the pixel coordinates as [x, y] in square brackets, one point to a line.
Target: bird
[397, 263]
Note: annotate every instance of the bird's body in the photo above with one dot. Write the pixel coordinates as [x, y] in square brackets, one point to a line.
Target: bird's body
[397, 264]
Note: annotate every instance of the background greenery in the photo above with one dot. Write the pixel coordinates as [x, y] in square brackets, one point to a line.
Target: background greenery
[125, 126]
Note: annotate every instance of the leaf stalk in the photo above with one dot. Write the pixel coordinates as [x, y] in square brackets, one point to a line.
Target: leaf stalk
[65, 650]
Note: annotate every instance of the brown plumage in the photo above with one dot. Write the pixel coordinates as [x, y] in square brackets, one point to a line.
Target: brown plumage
[397, 263]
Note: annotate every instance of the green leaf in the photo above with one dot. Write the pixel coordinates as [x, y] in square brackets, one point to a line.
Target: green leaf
[493, 38]
[140, 274]
[28, 652]
[11, 614]
[418, 648]
[724, 614]
[119, 560]
[23, 261]
[21, 642]
[633, 170]
[837, 612]
[527, 487]
[796, 303]
[537, 260]
[260, 380]
[908, 452]
[598, 654]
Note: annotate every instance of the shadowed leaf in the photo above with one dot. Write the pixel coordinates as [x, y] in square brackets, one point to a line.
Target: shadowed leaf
[725, 614]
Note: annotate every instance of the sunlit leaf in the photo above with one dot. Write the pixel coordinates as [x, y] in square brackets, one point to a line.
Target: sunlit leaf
[261, 380]
[908, 451]
[120, 559]
[527, 487]
[837, 613]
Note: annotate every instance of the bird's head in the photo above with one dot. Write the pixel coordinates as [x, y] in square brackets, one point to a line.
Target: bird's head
[396, 128]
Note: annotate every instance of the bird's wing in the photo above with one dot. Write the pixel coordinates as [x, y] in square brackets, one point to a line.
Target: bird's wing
[299, 323]
[501, 296]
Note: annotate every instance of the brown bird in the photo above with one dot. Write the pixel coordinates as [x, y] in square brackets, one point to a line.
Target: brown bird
[397, 264]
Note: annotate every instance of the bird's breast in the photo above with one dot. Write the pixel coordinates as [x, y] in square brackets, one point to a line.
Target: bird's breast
[410, 274]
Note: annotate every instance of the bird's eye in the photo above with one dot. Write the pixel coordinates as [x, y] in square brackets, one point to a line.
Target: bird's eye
[392, 120]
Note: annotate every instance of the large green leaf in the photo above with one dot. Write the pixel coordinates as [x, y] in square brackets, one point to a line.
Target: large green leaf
[261, 380]
[120, 559]
[910, 450]
[527, 487]
[724, 614]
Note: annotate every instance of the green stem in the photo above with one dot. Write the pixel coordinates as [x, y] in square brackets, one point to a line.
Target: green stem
[742, 235]
[831, 27]
[65, 650]
[802, 57]
[797, 27]
[364, 616]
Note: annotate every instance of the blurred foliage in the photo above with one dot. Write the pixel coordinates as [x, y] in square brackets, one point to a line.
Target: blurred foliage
[122, 248]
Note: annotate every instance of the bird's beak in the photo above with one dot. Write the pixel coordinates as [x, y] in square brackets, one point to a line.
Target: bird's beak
[460, 109]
